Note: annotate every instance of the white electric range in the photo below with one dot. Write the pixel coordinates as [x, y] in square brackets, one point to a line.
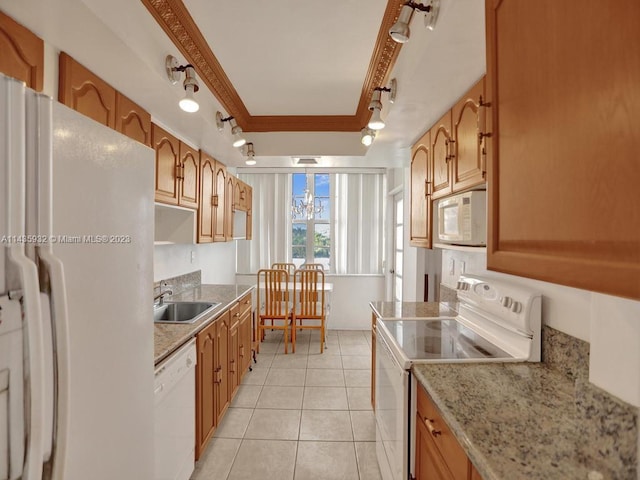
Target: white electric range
[496, 321]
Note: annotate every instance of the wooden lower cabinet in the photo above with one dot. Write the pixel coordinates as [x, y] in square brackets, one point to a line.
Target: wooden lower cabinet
[224, 355]
[439, 456]
[205, 368]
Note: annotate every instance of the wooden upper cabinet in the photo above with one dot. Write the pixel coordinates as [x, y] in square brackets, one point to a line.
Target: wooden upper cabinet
[188, 183]
[229, 206]
[132, 120]
[468, 168]
[441, 154]
[219, 206]
[249, 213]
[22, 53]
[420, 235]
[167, 149]
[207, 189]
[563, 167]
[85, 92]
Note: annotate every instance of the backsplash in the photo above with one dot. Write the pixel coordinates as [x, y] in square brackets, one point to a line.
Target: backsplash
[180, 283]
[447, 294]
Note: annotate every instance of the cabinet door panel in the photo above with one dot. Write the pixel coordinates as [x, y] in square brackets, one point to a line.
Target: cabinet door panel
[468, 116]
[132, 120]
[429, 463]
[229, 207]
[207, 188]
[441, 148]
[234, 366]
[167, 162]
[22, 53]
[219, 208]
[563, 163]
[190, 174]
[85, 92]
[205, 414]
[420, 234]
[221, 387]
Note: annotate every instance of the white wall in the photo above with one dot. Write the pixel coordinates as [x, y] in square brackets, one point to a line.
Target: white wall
[610, 324]
[216, 260]
[349, 299]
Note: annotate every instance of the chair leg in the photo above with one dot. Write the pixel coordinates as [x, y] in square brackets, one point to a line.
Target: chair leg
[322, 338]
[285, 341]
[293, 334]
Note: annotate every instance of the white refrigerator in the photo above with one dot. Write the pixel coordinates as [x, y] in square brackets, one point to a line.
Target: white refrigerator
[76, 288]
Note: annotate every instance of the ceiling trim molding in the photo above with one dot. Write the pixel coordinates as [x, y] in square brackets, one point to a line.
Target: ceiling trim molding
[176, 21]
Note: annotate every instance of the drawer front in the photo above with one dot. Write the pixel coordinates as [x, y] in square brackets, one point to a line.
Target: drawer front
[443, 438]
[245, 303]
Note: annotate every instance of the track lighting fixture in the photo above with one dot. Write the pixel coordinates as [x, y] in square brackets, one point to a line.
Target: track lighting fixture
[190, 84]
[376, 122]
[249, 152]
[400, 31]
[236, 131]
[368, 135]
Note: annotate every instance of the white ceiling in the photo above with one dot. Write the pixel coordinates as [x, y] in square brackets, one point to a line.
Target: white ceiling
[284, 57]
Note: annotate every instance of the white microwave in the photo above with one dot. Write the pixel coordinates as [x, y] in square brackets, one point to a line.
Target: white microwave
[462, 219]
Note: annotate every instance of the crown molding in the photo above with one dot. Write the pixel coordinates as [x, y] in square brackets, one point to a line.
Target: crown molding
[176, 21]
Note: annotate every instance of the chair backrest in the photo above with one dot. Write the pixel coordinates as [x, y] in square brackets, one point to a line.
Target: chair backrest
[273, 292]
[312, 266]
[308, 293]
[289, 267]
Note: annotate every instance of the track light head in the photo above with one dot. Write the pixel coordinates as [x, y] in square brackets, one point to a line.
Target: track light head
[190, 84]
[236, 131]
[249, 152]
[400, 31]
[376, 122]
[368, 135]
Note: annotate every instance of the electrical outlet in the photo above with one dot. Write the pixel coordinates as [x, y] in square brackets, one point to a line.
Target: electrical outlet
[452, 266]
[462, 267]
[193, 256]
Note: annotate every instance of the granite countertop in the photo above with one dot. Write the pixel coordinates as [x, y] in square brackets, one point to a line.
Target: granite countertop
[526, 420]
[170, 336]
[413, 310]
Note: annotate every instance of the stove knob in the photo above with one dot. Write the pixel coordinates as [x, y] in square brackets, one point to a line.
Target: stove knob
[516, 307]
[460, 285]
[506, 302]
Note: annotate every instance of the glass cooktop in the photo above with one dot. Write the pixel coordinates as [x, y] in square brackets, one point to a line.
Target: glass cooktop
[445, 339]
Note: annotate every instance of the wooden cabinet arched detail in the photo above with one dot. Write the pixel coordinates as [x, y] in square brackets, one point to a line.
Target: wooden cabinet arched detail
[219, 209]
[468, 119]
[85, 92]
[207, 199]
[22, 53]
[229, 207]
[420, 226]
[167, 149]
[132, 120]
[190, 174]
[441, 151]
[205, 409]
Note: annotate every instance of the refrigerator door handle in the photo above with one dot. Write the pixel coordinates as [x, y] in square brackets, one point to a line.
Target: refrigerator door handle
[55, 269]
[13, 95]
[33, 320]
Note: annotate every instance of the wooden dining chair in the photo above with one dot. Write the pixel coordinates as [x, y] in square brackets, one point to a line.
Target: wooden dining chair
[289, 267]
[312, 266]
[274, 304]
[308, 303]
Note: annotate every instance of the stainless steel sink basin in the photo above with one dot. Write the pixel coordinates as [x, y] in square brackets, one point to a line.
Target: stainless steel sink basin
[182, 312]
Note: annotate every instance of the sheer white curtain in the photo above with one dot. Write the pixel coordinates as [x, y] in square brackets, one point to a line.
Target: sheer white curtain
[358, 223]
[271, 232]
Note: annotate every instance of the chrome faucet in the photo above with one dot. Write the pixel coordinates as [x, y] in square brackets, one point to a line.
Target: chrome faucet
[160, 296]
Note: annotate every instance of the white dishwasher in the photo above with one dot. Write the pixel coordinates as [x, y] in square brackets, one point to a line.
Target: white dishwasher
[175, 415]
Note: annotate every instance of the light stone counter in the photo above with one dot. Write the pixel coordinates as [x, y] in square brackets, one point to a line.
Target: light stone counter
[529, 421]
[170, 336]
[413, 310]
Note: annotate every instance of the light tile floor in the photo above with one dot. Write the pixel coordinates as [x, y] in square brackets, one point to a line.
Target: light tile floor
[302, 416]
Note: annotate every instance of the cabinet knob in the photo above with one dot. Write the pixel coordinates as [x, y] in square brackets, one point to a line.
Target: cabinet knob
[431, 427]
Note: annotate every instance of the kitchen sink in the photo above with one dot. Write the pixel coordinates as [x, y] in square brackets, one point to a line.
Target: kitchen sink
[182, 312]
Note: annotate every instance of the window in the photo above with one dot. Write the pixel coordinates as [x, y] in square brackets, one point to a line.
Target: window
[311, 219]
